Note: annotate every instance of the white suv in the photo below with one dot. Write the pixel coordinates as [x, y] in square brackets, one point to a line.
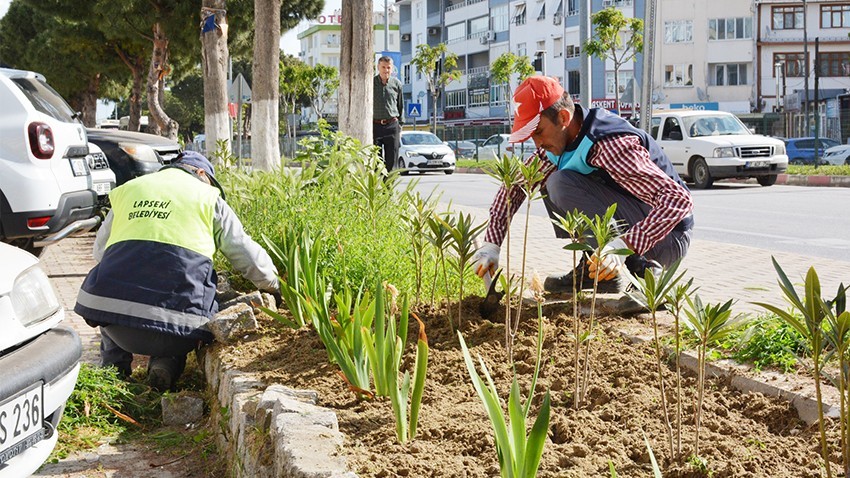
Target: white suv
[46, 189]
[708, 145]
[39, 363]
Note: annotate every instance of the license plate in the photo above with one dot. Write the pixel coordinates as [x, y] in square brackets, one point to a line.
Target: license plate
[21, 419]
[102, 188]
[432, 162]
[758, 164]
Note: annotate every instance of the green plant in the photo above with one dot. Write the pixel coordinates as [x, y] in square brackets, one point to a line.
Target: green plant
[385, 345]
[838, 334]
[532, 181]
[417, 224]
[507, 172]
[299, 257]
[438, 234]
[575, 224]
[813, 314]
[519, 454]
[406, 428]
[769, 341]
[604, 230]
[652, 293]
[710, 323]
[463, 235]
[676, 297]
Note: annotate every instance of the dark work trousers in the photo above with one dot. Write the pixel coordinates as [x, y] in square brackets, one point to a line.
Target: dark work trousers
[387, 137]
[119, 343]
[568, 190]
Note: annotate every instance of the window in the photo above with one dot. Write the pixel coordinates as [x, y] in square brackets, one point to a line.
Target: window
[574, 82]
[834, 16]
[519, 14]
[672, 131]
[456, 99]
[500, 18]
[729, 74]
[681, 31]
[625, 76]
[521, 49]
[418, 8]
[456, 32]
[558, 47]
[787, 18]
[498, 95]
[479, 97]
[679, 75]
[406, 72]
[542, 14]
[834, 63]
[479, 24]
[573, 51]
[419, 39]
[541, 46]
[572, 7]
[794, 63]
[730, 28]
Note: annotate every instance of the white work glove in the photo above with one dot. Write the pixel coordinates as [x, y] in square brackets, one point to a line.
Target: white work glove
[609, 265]
[486, 259]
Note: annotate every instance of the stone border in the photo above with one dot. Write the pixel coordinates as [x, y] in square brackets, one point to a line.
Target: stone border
[272, 431]
[821, 180]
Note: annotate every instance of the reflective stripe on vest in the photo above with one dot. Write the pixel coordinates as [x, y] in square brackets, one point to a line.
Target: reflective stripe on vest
[169, 207]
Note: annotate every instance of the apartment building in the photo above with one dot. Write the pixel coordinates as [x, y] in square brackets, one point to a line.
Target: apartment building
[320, 45]
[704, 56]
[781, 64]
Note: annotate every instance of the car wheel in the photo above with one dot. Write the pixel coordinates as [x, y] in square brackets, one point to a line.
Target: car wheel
[400, 166]
[767, 180]
[797, 161]
[847, 161]
[700, 174]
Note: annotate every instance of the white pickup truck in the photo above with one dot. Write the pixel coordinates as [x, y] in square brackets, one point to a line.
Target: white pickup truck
[708, 145]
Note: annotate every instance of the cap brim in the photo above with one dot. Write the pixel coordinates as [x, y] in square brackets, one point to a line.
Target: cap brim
[525, 131]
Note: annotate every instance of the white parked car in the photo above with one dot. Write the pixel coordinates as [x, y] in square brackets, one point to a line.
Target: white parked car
[421, 152]
[497, 145]
[45, 184]
[837, 155]
[39, 363]
[708, 145]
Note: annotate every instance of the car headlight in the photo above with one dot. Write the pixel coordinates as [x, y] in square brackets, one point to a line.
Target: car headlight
[411, 154]
[724, 152]
[139, 152]
[33, 297]
[779, 149]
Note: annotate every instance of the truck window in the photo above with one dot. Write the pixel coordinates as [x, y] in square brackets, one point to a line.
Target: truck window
[672, 130]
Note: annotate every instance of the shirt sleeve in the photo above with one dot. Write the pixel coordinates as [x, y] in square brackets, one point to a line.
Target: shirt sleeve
[628, 163]
[400, 100]
[102, 237]
[244, 254]
[499, 213]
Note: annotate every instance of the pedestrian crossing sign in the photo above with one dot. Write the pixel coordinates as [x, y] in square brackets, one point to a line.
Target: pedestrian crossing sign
[414, 110]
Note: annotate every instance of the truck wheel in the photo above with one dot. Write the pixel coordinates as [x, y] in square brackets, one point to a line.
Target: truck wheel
[767, 180]
[700, 174]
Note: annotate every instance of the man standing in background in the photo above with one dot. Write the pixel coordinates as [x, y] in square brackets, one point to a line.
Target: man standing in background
[388, 106]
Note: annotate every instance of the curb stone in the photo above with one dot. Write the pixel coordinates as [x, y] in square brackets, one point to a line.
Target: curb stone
[272, 431]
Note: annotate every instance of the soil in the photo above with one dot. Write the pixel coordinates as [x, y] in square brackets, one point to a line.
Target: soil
[742, 434]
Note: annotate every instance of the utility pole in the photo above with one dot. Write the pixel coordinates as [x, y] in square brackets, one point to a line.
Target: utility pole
[805, 70]
[386, 27]
[817, 105]
[584, 35]
[648, 58]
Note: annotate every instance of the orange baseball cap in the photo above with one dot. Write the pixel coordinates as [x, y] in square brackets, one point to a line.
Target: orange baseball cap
[532, 96]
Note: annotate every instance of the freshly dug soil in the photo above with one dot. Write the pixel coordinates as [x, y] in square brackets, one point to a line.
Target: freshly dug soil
[742, 435]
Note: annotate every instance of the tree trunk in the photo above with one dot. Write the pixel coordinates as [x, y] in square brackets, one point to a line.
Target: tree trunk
[214, 59]
[135, 65]
[158, 69]
[87, 102]
[265, 119]
[356, 70]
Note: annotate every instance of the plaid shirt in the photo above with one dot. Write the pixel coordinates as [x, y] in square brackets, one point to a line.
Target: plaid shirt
[628, 163]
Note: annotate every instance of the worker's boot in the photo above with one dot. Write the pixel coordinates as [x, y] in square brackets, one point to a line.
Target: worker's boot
[163, 373]
[563, 284]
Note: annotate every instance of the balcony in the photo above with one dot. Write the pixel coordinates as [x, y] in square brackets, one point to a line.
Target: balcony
[465, 10]
[465, 3]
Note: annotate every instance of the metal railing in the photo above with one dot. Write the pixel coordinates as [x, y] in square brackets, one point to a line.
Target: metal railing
[462, 4]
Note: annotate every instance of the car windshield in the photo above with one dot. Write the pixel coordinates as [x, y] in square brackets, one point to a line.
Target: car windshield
[419, 138]
[714, 125]
[45, 99]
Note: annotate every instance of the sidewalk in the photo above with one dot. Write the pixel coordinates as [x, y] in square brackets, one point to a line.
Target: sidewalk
[721, 271]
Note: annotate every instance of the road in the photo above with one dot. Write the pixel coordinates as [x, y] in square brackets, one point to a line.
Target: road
[810, 221]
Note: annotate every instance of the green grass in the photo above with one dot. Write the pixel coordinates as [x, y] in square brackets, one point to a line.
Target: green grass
[472, 163]
[820, 170]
